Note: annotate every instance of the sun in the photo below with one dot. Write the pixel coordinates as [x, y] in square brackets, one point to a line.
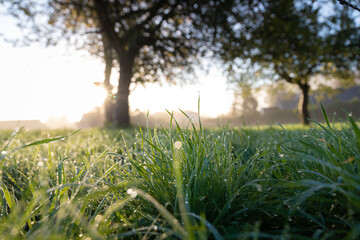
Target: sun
[41, 83]
[215, 97]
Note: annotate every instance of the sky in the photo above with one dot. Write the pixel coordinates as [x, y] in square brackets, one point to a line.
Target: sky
[41, 83]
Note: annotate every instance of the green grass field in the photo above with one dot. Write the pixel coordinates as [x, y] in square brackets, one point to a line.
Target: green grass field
[191, 183]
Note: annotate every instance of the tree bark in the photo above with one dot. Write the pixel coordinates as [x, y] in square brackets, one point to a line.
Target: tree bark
[304, 104]
[126, 59]
[109, 101]
[121, 108]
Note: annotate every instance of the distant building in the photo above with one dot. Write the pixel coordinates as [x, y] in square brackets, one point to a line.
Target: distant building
[347, 94]
[28, 124]
[343, 95]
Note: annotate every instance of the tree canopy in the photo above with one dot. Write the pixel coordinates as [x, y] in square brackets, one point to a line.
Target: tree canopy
[148, 39]
[294, 41]
[289, 40]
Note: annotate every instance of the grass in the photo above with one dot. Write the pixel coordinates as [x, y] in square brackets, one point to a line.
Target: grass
[182, 183]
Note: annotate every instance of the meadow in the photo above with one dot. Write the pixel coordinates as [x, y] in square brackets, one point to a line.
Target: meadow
[275, 182]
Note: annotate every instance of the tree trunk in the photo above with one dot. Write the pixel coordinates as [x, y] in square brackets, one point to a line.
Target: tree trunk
[109, 101]
[121, 109]
[304, 104]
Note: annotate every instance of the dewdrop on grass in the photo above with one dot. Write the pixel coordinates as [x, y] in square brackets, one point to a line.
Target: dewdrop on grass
[98, 218]
[132, 192]
[14, 231]
[177, 144]
[4, 153]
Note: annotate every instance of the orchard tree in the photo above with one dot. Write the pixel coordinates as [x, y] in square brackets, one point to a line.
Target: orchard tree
[147, 39]
[294, 41]
[241, 80]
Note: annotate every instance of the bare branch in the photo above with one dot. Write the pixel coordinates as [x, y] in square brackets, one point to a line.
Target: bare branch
[346, 3]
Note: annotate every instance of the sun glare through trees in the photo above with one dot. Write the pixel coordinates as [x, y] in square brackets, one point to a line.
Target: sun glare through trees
[183, 120]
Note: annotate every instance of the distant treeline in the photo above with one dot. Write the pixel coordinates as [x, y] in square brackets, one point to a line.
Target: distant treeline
[337, 110]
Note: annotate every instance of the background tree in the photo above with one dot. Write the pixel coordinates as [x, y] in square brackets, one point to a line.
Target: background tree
[244, 101]
[294, 41]
[109, 102]
[241, 79]
[148, 39]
